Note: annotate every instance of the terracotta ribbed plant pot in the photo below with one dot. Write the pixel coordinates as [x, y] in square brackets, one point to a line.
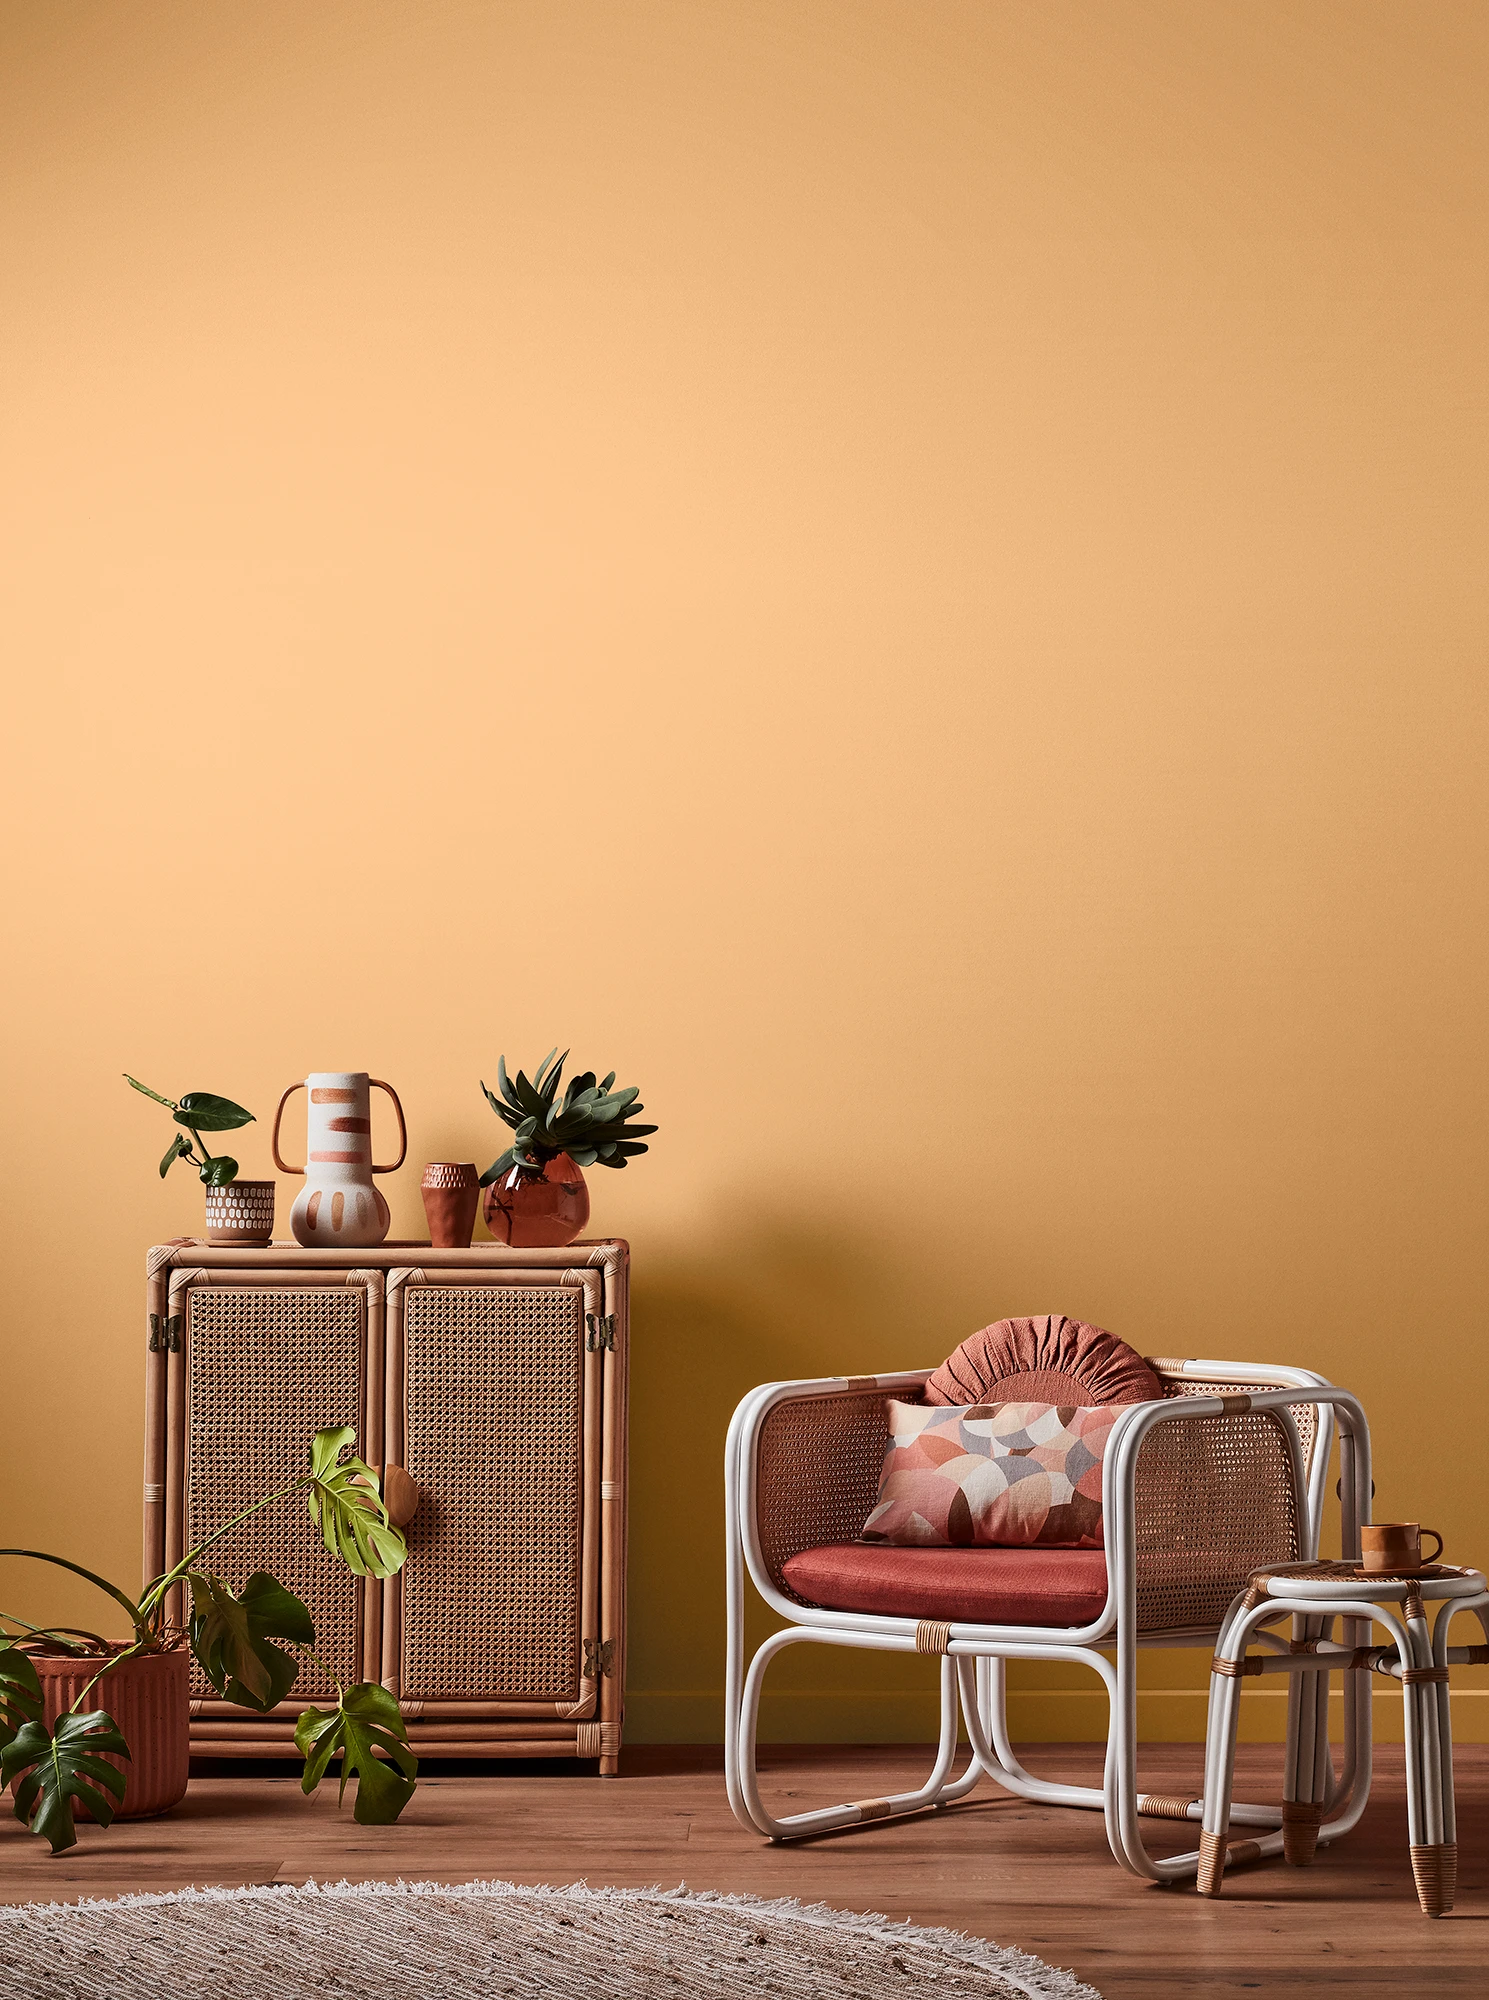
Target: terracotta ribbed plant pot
[147, 1697]
[241, 1213]
[538, 1209]
[452, 1194]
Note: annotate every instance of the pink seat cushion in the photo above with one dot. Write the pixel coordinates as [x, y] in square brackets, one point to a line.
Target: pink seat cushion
[1047, 1360]
[954, 1586]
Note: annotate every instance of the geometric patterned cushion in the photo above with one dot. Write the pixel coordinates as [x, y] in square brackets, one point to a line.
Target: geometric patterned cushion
[992, 1475]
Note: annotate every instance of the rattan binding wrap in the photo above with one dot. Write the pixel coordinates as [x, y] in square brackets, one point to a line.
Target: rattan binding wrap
[1300, 1824]
[1436, 1872]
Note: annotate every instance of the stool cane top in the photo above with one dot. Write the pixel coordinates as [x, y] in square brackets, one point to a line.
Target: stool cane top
[1335, 1579]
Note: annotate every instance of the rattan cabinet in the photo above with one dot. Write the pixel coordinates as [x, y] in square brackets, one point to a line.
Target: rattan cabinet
[497, 1379]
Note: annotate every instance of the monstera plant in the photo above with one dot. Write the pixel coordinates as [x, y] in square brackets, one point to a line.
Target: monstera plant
[249, 1644]
[199, 1111]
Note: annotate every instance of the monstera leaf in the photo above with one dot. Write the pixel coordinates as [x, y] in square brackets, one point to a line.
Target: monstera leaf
[365, 1720]
[62, 1768]
[232, 1637]
[20, 1693]
[347, 1508]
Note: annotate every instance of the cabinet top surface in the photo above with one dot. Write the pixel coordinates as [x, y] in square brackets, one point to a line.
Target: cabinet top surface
[609, 1251]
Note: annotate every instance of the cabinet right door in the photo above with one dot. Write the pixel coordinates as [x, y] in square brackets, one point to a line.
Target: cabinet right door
[493, 1388]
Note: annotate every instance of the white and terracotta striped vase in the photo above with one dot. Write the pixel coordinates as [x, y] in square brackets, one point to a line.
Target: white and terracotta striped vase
[339, 1208]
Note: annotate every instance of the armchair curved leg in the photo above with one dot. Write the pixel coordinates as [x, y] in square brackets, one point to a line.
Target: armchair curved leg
[857, 1812]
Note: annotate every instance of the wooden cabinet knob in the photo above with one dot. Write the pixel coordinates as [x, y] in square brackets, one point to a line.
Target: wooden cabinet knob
[400, 1495]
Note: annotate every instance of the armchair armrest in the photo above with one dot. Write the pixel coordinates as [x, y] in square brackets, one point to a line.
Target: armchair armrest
[806, 1458]
[1201, 1490]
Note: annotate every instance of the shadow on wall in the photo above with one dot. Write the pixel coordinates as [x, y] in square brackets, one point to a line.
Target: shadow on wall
[773, 1301]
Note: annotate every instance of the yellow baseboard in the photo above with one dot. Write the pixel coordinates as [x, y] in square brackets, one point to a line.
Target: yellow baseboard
[1165, 1715]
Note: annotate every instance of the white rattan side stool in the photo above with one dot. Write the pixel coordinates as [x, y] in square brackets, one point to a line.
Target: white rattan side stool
[1316, 1594]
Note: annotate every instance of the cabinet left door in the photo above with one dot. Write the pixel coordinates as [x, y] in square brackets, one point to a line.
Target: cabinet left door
[254, 1365]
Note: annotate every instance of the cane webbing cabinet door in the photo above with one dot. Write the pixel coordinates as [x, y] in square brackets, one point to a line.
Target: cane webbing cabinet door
[497, 1379]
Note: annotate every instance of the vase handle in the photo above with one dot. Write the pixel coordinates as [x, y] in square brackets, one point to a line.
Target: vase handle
[284, 1165]
[374, 1084]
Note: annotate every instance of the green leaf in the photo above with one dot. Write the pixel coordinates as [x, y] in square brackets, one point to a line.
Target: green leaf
[62, 1768]
[145, 1091]
[506, 1112]
[366, 1719]
[543, 1065]
[206, 1113]
[504, 1084]
[231, 1637]
[606, 1083]
[219, 1172]
[497, 1168]
[346, 1506]
[20, 1692]
[178, 1149]
[583, 1156]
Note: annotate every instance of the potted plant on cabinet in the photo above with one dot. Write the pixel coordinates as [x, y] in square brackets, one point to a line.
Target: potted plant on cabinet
[238, 1212]
[535, 1192]
[60, 1755]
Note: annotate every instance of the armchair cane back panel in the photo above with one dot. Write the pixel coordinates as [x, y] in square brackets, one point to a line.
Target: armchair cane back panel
[266, 1367]
[494, 1395]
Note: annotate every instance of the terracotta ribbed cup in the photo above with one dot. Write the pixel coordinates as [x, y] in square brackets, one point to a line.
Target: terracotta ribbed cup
[452, 1194]
[147, 1697]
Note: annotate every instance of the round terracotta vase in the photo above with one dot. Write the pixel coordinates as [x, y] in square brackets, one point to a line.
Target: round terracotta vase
[536, 1209]
[147, 1697]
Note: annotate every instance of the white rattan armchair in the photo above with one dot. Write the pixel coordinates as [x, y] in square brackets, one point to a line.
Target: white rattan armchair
[1226, 1473]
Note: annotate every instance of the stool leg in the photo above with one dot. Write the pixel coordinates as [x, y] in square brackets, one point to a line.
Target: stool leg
[1305, 1783]
[1220, 1765]
[1434, 1860]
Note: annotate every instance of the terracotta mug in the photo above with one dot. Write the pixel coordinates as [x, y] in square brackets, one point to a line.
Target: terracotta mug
[452, 1194]
[1395, 1545]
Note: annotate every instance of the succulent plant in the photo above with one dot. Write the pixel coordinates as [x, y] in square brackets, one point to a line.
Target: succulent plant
[592, 1123]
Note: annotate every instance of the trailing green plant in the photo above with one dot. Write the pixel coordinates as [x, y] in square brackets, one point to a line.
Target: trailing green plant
[199, 1111]
[592, 1123]
[249, 1643]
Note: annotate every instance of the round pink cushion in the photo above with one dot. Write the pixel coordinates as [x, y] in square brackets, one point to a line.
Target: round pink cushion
[1047, 1360]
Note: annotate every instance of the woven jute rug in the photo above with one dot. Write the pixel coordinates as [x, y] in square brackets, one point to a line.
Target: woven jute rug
[427, 1941]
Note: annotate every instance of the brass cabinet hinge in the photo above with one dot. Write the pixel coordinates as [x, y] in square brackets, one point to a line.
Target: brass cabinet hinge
[599, 1659]
[599, 1331]
[165, 1334]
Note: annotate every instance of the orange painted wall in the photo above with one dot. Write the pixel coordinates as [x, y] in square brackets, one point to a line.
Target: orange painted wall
[910, 576]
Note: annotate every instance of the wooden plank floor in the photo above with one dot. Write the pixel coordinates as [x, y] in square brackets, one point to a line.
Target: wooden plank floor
[1028, 1876]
